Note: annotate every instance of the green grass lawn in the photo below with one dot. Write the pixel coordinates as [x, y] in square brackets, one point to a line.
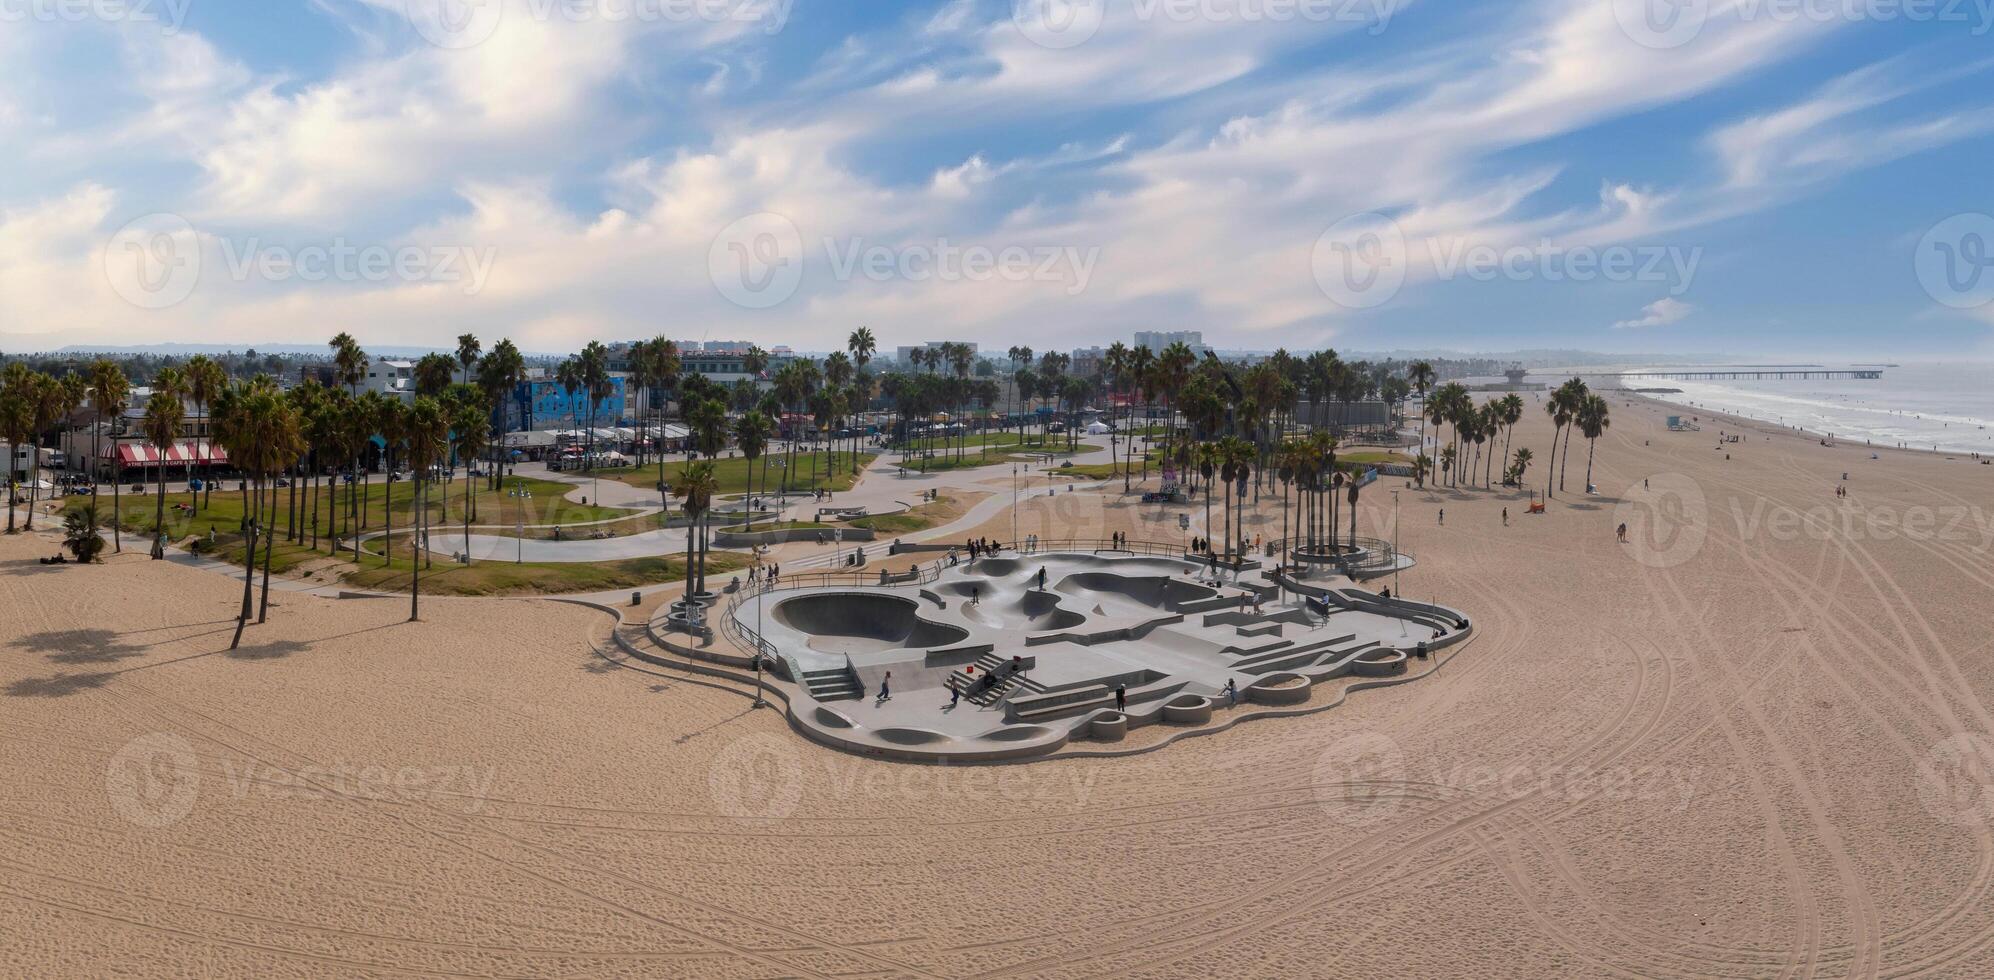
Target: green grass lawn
[1369, 457]
[733, 473]
[222, 511]
[223, 516]
[913, 519]
[489, 578]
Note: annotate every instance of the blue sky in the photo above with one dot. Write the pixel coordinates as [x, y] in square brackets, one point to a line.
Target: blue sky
[1746, 176]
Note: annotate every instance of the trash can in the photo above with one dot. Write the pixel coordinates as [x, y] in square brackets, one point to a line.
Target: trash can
[636, 598]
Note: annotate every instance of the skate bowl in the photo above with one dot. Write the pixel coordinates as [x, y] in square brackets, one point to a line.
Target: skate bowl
[985, 665]
[1155, 591]
[863, 622]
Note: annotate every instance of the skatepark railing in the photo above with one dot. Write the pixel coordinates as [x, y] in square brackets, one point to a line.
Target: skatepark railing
[1165, 549]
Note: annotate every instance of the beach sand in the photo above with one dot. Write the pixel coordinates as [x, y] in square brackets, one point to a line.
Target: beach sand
[1752, 742]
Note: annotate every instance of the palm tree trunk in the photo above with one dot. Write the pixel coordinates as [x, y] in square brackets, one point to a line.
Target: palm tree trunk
[1551, 468]
[248, 571]
[269, 545]
[158, 520]
[1568, 457]
[1592, 444]
[415, 566]
[117, 504]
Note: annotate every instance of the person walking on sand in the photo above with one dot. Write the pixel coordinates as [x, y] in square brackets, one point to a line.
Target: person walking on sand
[1505, 517]
[885, 689]
[1443, 517]
[1623, 534]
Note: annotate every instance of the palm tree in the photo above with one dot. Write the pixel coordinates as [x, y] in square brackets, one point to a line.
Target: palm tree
[1561, 407]
[110, 395]
[80, 534]
[261, 435]
[428, 437]
[1510, 413]
[388, 418]
[1420, 375]
[433, 373]
[695, 486]
[1523, 458]
[468, 351]
[162, 429]
[205, 379]
[1575, 397]
[1593, 421]
[500, 373]
[752, 432]
[16, 418]
[468, 420]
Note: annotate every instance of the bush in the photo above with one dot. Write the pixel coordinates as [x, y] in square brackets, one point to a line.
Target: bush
[79, 534]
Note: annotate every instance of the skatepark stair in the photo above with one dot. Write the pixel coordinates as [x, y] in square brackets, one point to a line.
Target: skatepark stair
[833, 684]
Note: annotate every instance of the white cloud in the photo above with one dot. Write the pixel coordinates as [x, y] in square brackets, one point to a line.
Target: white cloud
[1659, 313]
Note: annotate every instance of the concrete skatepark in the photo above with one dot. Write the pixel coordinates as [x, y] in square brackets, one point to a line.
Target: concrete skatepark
[1037, 661]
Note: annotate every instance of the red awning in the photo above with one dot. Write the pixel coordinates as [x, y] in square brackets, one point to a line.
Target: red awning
[196, 453]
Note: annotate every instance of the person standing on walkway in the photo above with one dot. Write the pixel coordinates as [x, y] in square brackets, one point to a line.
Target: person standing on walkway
[885, 690]
[1121, 697]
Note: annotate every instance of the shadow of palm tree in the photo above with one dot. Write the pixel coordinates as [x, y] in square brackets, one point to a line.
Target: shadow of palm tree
[273, 650]
[88, 646]
[59, 686]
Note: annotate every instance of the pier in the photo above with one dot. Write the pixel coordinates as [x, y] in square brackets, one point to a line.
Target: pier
[1750, 372]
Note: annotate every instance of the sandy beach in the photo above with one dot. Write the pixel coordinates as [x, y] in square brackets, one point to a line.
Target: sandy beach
[1753, 741]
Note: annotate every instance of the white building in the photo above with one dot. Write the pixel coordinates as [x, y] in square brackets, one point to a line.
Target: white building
[1157, 340]
[390, 377]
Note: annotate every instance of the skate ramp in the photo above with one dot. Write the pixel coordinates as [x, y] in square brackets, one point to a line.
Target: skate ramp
[863, 623]
[1153, 591]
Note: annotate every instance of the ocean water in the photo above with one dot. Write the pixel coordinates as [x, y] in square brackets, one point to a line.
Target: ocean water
[1947, 407]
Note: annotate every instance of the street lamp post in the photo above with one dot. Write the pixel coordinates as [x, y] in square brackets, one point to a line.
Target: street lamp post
[520, 494]
[1014, 505]
[760, 590]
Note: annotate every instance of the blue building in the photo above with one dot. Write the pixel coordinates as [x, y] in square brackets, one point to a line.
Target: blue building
[550, 406]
